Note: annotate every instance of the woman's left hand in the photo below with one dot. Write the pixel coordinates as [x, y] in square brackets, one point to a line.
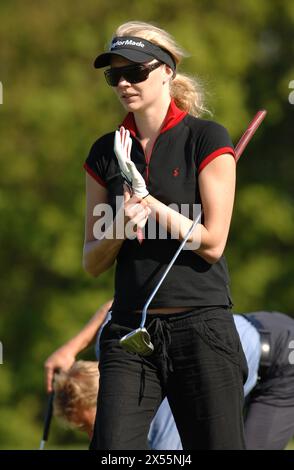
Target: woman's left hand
[122, 149]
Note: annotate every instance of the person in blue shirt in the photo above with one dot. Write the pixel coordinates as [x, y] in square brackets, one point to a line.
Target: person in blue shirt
[267, 339]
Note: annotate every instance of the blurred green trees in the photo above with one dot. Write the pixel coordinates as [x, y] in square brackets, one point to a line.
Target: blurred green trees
[55, 104]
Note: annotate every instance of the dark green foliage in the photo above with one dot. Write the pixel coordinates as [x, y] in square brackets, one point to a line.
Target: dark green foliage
[56, 105]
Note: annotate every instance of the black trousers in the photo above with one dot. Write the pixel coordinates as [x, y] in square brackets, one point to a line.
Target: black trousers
[268, 427]
[269, 423]
[198, 363]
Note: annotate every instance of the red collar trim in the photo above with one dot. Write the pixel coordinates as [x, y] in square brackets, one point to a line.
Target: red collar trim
[173, 116]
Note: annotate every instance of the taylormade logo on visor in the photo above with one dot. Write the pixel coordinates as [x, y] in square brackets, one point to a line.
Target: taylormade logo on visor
[127, 42]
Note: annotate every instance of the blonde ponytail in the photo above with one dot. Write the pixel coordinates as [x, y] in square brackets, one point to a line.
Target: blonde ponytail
[187, 92]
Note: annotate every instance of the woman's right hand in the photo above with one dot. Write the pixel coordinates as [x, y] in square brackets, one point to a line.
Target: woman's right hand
[63, 358]
[136, 211]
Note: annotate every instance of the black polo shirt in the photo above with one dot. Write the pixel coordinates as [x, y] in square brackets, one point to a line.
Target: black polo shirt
[183, 148]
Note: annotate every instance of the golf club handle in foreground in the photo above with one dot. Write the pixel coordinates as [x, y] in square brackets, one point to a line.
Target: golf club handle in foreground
[47, 421]
[140, 235]
[239, 149]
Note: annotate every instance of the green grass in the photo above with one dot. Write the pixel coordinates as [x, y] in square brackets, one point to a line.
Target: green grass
[290, 446]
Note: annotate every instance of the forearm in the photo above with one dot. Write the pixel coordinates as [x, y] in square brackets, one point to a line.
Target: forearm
[178, 225]
[64, 357]
[88, 334]
[100, 254]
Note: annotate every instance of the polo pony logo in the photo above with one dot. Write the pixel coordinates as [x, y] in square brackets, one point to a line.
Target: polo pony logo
[176, 172]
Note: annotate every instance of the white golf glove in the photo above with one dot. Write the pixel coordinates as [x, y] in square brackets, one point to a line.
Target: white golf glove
[122, 150]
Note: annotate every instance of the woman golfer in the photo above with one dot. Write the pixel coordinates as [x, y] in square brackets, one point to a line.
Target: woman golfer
[169, 157]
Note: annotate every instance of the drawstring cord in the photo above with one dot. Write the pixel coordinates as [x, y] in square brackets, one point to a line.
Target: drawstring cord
[161, 338]
[142, 383]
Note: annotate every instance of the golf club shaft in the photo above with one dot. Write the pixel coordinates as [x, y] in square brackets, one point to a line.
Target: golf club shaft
[144, 312]
[42, 445]
[47, 421]
[239, 149]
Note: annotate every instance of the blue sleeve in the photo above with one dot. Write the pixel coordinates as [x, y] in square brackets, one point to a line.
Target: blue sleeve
[163, 432]
[97, 344]
[250, 340]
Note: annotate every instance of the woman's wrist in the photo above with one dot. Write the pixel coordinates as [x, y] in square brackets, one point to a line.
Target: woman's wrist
[77, 344]
[173, 221]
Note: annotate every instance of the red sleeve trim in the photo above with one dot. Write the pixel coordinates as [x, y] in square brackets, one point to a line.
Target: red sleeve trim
[93, 174]
[215, 154]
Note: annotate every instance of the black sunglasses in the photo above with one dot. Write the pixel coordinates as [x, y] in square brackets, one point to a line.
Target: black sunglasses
[132, 73]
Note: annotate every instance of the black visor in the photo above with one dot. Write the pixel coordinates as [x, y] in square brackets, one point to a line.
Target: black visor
[135, 49]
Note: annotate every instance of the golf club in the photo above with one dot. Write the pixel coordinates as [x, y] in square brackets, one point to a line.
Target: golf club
[139, 341]
[48, 417]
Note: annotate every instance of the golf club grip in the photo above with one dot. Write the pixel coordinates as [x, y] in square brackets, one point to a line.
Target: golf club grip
[48, 416]
[249, 133]
[139, 231]
[140, 235]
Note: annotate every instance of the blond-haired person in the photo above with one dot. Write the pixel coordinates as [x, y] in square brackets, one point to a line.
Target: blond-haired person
[75, 396]
[170, 156]
[269, 411]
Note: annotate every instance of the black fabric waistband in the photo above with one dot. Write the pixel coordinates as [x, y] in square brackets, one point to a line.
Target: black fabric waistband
[126, 315]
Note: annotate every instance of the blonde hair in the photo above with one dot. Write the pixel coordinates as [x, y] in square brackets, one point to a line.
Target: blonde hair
[76, 389]
[185, 90]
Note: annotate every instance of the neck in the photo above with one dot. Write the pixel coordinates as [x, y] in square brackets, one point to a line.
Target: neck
[149, 121]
